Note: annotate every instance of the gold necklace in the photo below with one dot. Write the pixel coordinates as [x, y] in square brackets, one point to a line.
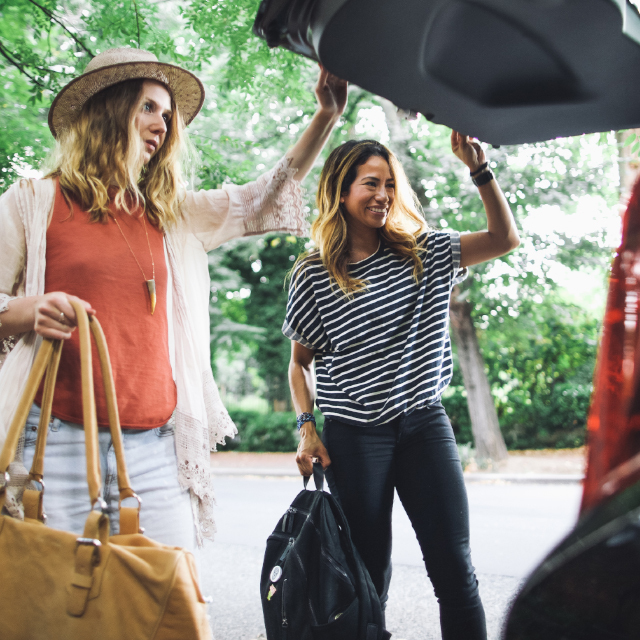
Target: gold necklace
[151, 284]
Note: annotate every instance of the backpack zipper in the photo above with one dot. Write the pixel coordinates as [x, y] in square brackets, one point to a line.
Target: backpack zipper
[288, 519]
[285, 622]
[285, 553]
[335, 565]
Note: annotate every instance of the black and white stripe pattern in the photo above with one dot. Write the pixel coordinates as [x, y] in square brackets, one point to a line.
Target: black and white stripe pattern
[387, 350]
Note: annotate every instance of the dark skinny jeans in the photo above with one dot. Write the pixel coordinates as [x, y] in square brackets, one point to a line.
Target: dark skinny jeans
[415, 454]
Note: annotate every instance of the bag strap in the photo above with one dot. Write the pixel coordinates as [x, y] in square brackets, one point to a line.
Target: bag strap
[318, 477]
[129, 516]
[48, 358]
[7, 454]
[31, 498]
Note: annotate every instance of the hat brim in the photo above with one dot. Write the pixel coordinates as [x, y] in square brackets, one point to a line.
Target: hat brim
[186, 88]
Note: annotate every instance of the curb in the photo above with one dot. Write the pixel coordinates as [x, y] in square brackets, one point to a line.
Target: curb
[255, 471]
[522, 478]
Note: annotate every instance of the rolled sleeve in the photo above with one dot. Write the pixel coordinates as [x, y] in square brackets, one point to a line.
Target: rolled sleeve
[302, 321]
[459, 274]
[292, 334]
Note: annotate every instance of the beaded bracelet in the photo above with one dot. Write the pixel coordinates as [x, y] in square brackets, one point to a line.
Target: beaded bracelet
[483, 178]
[305, 417]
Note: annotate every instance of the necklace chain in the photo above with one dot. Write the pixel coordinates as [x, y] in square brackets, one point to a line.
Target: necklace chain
[144, 224]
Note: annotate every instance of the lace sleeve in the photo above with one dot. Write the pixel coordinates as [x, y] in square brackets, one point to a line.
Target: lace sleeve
[274, 202]
[6, 344]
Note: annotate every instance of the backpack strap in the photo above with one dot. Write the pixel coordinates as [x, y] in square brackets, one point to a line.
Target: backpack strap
[318, 477]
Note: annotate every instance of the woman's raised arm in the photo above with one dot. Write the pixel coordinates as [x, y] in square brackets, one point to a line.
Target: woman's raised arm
[501, 235]
[331, 93]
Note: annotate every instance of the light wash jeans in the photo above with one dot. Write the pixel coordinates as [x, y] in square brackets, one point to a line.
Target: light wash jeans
[152, 465]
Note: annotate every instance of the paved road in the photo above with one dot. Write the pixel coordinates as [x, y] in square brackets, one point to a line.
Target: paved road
[512, 527]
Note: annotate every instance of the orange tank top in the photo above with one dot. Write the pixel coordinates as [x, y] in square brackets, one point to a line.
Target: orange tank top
[94, 262]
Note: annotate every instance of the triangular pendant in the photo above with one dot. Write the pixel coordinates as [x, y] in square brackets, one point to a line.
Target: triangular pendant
[151, 286]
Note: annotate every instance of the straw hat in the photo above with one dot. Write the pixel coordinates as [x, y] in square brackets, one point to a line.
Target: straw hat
[117, 65]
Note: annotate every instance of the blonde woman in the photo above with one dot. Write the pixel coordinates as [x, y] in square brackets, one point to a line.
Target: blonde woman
[112, 225]
[370, 306]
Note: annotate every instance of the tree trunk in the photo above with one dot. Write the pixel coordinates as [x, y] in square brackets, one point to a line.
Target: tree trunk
[489, 442]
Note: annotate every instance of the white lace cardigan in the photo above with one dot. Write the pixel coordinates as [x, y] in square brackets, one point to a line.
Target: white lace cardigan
[272, 203]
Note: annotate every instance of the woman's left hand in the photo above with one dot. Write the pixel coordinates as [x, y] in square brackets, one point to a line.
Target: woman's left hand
[331, 93]
[469, 151]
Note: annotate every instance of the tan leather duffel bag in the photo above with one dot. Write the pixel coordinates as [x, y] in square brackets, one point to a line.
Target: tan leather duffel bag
[58, 585]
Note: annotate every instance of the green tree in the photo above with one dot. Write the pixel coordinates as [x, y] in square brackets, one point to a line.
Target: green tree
[264, 266]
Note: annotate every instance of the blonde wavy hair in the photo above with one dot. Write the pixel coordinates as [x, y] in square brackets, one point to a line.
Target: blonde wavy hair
[98, 159]
[404, 223]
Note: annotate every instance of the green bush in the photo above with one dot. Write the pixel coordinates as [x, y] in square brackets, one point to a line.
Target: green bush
[266, 432]
[540, 367]
[552, 420]
[454, 401]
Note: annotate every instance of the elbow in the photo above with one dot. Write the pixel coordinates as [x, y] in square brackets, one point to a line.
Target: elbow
[510, 240]
[506, 244]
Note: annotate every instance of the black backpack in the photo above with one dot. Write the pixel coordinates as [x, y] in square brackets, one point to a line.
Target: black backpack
[314, 585]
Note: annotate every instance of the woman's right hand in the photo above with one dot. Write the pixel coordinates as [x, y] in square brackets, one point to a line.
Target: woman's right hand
[310, 447]
[54, 317]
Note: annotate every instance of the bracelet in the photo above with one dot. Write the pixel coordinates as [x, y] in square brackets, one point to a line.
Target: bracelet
[483, 178]
[480, 169]
[305, 417]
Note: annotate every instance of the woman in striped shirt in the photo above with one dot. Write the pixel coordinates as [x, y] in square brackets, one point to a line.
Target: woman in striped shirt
[371, 306]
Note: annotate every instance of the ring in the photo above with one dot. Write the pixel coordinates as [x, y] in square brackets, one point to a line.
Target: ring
[62, 318]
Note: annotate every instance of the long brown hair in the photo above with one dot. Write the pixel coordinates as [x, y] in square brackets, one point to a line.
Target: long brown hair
[98, 158]
[329, 231]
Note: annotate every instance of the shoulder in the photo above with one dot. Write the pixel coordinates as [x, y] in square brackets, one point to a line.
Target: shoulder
[27, 198]
[306, 275]
[35, 187]
[438, 239]
[309, 266]
[29, 191]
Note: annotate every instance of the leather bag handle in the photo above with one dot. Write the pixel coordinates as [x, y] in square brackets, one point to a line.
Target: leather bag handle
[7, 454]
[48, 359]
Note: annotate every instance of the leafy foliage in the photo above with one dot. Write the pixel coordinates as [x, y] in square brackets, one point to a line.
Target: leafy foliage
[266, 432]
[540, 366]
[264, 266]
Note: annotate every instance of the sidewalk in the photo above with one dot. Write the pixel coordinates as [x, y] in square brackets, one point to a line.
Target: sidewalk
[543, 466]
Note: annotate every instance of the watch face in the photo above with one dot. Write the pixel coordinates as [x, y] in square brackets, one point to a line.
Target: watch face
[276, 574]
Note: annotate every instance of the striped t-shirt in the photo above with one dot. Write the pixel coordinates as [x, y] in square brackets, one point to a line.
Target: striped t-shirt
[387, 350]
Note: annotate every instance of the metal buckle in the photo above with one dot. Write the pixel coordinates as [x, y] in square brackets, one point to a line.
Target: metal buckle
[4, 480]
[89, 542]
[139, 499]
[44, 515]
[40, 482]
[101, 503]
[136, 496]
